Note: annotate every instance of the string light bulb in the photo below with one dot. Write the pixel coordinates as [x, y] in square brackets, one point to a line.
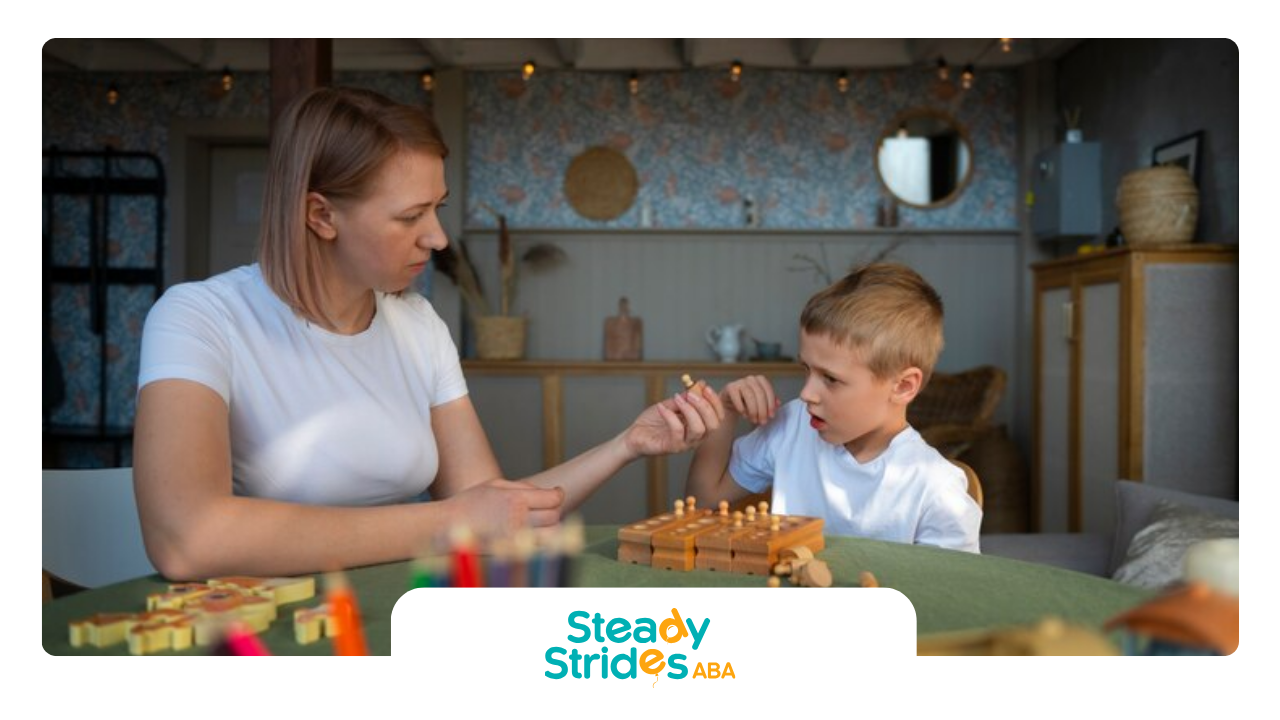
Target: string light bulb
[842, 82]
[1006, 44]
[428, 81]
[633, 83]
[527, 70]
[966, 77]
[944, 70]
[113, 94]
[228, 80]
[735, 71]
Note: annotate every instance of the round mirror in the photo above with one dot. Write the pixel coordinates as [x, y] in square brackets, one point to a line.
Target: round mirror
[924, 158]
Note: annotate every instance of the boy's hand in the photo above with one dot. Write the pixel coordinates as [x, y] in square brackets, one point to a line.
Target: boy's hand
[752, 397]
[677, 424]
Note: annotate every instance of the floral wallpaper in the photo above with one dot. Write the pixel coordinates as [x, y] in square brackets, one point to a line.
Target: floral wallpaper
[702, 144]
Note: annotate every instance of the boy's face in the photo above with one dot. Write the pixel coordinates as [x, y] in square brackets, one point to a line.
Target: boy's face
[847, 403]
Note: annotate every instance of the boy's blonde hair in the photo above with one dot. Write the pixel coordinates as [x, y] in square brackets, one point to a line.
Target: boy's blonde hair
[333, 141]
[885, 310]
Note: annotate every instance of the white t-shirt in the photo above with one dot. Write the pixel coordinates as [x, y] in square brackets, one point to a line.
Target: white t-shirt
[316, 417]
[910, 493]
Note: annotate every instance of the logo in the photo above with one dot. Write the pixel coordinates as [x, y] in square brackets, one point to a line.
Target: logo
[658, 661]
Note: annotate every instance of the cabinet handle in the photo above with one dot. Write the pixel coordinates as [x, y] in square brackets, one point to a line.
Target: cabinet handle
[1069, 321]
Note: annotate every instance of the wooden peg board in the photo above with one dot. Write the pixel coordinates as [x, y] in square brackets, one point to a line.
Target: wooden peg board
[702, 540]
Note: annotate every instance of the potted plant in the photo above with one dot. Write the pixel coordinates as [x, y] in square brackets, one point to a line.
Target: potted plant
[499, 336]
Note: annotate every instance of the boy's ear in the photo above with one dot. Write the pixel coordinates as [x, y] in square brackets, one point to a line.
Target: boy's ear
[908, 385]
[320, 216]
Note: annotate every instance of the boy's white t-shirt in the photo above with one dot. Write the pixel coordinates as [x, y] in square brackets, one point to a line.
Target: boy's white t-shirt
[316, 417]
[910, 493]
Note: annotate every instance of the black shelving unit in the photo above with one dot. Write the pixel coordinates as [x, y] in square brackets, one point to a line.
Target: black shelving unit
[103, 177]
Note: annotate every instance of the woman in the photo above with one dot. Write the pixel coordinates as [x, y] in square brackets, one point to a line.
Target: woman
[287, 409]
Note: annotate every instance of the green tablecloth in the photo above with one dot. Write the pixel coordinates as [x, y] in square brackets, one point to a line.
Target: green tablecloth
[950, 591]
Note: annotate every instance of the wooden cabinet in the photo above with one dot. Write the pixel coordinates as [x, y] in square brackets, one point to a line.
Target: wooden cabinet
[1136, 357]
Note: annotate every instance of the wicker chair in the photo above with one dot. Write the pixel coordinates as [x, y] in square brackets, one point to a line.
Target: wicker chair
[954, 414]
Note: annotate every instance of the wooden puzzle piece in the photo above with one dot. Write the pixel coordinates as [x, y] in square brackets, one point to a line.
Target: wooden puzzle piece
[281, 590]
[756, 552]
[177, 596]
[216, 609]
[161, 630]
[635, 540]
[674, 547]
[312, 624]
[101, 630]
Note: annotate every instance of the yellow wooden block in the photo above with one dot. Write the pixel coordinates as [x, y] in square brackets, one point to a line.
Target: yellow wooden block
[224, 605]
[281, 590]
[101, 630]
[311, 624]
[177, 596]
[161, 630]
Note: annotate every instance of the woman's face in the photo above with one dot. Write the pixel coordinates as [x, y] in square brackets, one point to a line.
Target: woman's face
[384, 240]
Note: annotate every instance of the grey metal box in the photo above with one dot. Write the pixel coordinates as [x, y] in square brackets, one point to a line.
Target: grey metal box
[1066, 181]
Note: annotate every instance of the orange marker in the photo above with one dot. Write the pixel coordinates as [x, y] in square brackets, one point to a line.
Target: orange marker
[348, 632]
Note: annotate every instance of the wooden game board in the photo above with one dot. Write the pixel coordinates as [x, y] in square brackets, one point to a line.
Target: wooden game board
[690, 538]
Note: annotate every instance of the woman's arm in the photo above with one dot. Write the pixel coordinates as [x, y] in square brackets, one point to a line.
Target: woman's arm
[671, 426]
[195, 528]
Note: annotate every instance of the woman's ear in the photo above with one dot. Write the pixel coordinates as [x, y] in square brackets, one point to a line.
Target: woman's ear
[320, 216]
[908, 385]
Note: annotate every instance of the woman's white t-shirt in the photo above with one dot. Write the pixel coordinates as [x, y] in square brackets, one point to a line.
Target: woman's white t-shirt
[316, 417]
[909, 493]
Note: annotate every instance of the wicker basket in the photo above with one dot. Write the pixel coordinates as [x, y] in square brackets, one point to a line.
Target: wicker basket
[1158, 206]
[500, 337]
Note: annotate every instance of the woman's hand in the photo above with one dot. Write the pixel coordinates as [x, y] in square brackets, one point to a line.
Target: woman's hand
[676, 424]
[501, 506]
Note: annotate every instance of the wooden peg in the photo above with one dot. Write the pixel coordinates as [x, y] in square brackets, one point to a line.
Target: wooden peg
[688, 381]
[775, 523]
[724, 508]
[691, 503]
[737, 518]
[815, 573]
[679, 508]
[751, 514]
[764, 507]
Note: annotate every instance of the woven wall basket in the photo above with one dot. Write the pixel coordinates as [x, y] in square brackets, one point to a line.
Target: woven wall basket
[600, 183]
[500, 337]
[1158, 206]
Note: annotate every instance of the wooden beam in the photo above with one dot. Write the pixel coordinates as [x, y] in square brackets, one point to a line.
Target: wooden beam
[298, 65]
[685, 48]
[443, 53]
[570, 52]
[804, 50]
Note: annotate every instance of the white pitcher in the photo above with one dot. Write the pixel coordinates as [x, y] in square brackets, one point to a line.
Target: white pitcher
[726, 341]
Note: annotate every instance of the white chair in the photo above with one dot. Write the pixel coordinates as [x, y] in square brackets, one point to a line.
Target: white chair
[91, 533]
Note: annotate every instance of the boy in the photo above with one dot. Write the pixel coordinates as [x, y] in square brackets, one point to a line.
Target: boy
[843, 451]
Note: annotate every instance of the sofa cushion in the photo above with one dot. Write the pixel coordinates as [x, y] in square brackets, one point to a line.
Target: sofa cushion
[1135, 502]
[1081, 552]
[1155, 556]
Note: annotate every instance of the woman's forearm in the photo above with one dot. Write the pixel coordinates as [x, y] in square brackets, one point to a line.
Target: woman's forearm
[581, 476]
[251, 536]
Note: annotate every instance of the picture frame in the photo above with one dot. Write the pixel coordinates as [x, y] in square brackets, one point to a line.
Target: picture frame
[1184, 151]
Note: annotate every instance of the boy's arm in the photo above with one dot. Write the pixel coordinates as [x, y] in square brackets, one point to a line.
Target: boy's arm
[709, 478]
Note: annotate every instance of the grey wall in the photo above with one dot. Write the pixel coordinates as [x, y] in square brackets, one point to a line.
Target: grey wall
[1137, 94]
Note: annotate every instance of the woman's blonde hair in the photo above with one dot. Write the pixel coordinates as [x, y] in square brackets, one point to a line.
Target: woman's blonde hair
[332, 141]
[886, 311]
